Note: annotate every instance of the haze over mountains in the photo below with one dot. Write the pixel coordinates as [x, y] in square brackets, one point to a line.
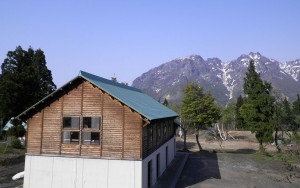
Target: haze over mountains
[223, 80]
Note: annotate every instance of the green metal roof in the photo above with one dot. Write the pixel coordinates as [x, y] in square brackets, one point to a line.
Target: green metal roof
[132, 97]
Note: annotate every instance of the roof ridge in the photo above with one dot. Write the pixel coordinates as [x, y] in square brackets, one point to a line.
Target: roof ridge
[92, 77]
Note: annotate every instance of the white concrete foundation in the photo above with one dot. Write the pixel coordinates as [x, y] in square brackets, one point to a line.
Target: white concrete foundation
[69, 172]
[164, 161]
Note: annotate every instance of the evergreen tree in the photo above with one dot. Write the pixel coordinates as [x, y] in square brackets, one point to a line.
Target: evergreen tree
[198, 108]
[287, 117]
[283, 119]
[25, 79]
[240, 123]
[296, 112]
[296, 105]
[176, 107]
[166, 103]
[258, 107]
[277, 122]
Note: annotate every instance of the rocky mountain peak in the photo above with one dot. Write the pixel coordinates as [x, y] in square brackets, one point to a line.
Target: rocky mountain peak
[255, 56]
[223, 80]
[191, 58]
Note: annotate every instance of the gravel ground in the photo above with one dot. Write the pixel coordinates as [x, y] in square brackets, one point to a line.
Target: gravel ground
[208, 169]
[7, 172]
[234, 164]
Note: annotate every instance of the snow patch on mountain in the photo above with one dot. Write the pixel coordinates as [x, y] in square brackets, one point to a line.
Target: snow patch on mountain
[224, 80]
[292, 68]
[190, 57]
[176, 81]
[255, 56]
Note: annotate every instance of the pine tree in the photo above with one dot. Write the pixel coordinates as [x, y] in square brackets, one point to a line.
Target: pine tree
[283, 119]
[240, 123]
[287, 116]
[296, 105]
[277, 122]
[166, 103]
[25, 79]
[198, 108]
[258, 107]
[296, 112]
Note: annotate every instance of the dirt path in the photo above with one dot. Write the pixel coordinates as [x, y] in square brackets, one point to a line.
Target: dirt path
[208, 169]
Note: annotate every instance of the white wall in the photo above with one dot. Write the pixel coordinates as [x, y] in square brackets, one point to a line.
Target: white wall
[162, 151]
[70, 172]
[64, 172]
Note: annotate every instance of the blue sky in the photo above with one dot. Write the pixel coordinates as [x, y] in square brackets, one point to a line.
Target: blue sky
[127, 38]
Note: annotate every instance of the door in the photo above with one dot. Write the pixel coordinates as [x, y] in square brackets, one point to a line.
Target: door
[149, 173]
[157, 164]
[166, 156]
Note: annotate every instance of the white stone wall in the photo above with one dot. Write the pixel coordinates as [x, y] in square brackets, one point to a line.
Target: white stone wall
[71, 172]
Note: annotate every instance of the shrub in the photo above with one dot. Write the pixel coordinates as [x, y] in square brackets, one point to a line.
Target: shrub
[15, 143]
[17, 131]
[296, 137]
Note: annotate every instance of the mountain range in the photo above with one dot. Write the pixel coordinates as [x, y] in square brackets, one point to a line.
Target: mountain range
[224, 80]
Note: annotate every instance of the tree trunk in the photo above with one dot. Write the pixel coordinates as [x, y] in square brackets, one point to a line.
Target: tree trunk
[197, 140]
[234, 127]
[226, 130]
[184, 139]
[276, 140]
[261, 147]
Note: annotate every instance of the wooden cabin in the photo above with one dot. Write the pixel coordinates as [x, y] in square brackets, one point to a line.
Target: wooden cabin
[93, 132]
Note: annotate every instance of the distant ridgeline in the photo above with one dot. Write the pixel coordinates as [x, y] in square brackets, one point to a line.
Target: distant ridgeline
[224, 80]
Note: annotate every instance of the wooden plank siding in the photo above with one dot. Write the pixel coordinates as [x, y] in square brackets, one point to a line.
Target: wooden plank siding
[51, 128]
[72, 102]
[34, 133]
[112, 128]
[166, 129]
[119, 132]
[132, 126]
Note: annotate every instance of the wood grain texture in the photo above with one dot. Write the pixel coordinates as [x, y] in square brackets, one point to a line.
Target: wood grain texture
[51, 128]
[34, 134]
[132, 124]
[122, 134]
[92, 101]
[112, 128]
[72, 102]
